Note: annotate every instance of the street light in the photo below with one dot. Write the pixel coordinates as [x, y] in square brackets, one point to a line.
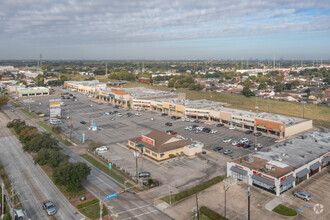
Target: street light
[225, 189]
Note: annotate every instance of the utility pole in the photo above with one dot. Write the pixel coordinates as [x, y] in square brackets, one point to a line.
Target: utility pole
[169, 190]
[101, 204]
[3, 199]
[12, 201]
[225, 189]
[136, 165]
[303, 109]
[197, 206]
[249, 195]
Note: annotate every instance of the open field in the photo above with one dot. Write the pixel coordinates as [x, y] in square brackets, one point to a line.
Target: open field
[319, 114]
[79, 77]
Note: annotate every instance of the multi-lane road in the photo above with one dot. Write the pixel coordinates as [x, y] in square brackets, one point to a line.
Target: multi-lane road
[34, 186]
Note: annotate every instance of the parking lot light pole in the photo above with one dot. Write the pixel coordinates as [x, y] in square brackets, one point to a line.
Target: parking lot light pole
[225, 189]
[249, 194]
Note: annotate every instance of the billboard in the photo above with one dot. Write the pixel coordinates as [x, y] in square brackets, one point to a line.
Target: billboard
[55, 108]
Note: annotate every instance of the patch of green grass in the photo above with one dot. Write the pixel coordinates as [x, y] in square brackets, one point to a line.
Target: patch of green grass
[27, 113]
[181, 195]
[314, 112]
[14, 104]
[83, 205]
[58, 136]
[211, 214]
[93, 211]
[283, 210]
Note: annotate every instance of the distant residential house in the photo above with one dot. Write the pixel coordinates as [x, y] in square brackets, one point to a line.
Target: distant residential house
[144, 80]
[268, 93]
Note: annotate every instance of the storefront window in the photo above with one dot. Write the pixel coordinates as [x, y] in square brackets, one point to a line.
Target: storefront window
[264, 186]
[239, 177]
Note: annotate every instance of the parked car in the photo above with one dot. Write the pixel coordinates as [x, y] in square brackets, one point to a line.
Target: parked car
[102, 148]
[258, 134]
[112, 118]
[49, 207]
[173, 133]
[226, 140]
[248, 132]
[119, 115]
[218, 149]
[144, 174]
[302, 195]
[19, 214]
[259, 145]
[168, 124]
[240, 145]
[227, 151]
[246, 145]
[213, 131]
[231, 128]
[234, 143]
[164, 114]
[220, 125]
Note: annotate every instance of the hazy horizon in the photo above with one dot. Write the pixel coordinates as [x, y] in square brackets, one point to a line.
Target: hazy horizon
[165, 30]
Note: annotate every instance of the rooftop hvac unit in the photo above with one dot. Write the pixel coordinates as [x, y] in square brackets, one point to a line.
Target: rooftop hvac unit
[269, 166]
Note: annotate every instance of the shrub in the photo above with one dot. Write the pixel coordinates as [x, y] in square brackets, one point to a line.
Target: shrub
[171, 155]
[57, 129]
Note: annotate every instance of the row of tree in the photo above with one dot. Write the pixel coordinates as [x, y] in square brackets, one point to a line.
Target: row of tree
[184, 81]
[47, 152]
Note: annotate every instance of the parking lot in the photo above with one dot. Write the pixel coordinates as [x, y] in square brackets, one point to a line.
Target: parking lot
[175, 174]
[122, 128]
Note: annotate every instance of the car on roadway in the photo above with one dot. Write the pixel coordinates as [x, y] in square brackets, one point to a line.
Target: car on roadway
[227, 151]
[101, 148]
[49, 207]
[231, 128]
[258, 145]
[240, 145]
[248, 132]
[220, 125]
[168, 124]
[258, 134]
[226, 140]
[119, 115]
[302, 195]
[218, 149]
[112, 118]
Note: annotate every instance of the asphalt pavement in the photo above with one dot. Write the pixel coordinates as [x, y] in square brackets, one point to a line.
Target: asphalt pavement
[128, 205]
[31, 184]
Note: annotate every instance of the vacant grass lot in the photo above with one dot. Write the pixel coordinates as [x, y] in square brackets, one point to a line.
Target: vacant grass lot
[319, 114]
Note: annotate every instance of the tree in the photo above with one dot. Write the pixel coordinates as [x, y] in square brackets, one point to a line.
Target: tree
[279, 87]
[50, 157]
[57, 129]
[71, 175]
[262, 86]
[247, 92]
[3, 100]
[288, 86]
[39, 141]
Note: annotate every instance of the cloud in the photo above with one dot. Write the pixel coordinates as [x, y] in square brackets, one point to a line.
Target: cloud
[81, 22]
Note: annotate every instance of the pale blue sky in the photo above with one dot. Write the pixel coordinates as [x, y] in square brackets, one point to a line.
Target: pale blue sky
[164, 29]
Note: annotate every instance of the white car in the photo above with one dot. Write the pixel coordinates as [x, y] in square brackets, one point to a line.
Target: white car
[151, 119]
[187, 119]
[119, 115]
[102, 148]
[234, 143]
[226, 140]
[106, 113]
[138, 114]
[183, 119]
[188, 128]
[213, 131]
[231, 128]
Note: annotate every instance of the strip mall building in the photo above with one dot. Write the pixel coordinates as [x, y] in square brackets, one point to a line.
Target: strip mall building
[285, 165]
[175, 104]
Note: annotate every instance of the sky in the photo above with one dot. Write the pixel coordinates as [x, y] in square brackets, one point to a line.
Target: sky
[164, 29]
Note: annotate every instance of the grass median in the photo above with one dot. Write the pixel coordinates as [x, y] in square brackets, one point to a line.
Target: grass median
[283, 210]
[27, 113]
[93, 211]
[105, 169]
[14, 104]
[182, 195]
[58, 136]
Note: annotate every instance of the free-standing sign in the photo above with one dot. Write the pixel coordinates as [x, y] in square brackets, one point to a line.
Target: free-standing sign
[148, 140]
[55, 108]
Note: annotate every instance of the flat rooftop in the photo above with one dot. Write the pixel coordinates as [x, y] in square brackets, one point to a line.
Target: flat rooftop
[31, 88]
[287, 120]
[299, 151]
[90, 82]
[257, 163]
[141, 92]
[202, 103]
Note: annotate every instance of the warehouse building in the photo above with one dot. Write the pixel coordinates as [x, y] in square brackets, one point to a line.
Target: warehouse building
[161, 146]
[285, 165]
[32, 91]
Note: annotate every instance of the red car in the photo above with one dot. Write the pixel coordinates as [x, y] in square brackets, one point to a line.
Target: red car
[240, 145]
[173, 133]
